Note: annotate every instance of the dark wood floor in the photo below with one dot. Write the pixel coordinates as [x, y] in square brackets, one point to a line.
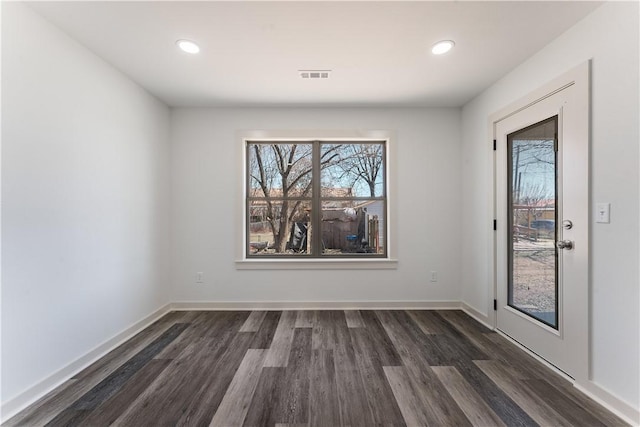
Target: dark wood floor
[316, 368]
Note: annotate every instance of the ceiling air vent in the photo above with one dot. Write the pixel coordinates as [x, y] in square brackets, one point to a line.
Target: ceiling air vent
[314, 74]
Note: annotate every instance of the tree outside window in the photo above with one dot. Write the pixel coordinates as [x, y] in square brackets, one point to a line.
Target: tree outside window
[316, 199]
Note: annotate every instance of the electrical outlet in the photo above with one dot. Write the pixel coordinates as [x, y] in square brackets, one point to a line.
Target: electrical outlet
[434, 276]
[199, 277]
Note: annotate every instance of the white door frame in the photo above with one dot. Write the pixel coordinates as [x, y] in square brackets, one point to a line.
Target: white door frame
[580, 78]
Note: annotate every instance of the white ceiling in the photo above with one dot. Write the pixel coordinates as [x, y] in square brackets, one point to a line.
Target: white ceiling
[251, 51]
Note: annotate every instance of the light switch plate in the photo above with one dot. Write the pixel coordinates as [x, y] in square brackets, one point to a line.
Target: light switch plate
[602, 213]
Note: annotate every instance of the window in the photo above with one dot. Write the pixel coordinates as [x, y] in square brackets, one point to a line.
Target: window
[316, 199]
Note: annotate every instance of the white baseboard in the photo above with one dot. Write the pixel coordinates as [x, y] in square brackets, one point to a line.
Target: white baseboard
[316, 305]
[610, 401]
[16, 404]
[477, 315]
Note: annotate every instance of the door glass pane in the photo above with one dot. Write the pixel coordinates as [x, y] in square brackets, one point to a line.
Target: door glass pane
[533, 258]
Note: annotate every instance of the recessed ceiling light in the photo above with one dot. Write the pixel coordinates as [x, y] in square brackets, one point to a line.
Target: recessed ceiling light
[188, 46]
[441, 47]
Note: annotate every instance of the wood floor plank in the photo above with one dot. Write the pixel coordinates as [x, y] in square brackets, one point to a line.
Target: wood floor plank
[472, 330]
[110, 410]
[354, 319]
[565, 405]
[202, 407]
[438, 406]
[410, 405]
[206, 325]
[518, 390]
[324, 409]
[253, 321]
[499, 401]
[458, 339]
[115, 381]
[278, 355]
[496, 347]
[334, 368]
[323, 336]
[408, 335]
[437, 403]
[170, 395]
[265, 405]
[282, 394]
[295, 409]
[519, 360]
[462, 318]
[582, 402]
[305, 318]
[473, 406]
[235, 403]
[49, 406]
[424, 322]
[447, 346]
[115, 358]
[451, 349]
[352, 399]
[382, 403]
[196, 329]
[380, 340]
[69, 417]
[264, 336]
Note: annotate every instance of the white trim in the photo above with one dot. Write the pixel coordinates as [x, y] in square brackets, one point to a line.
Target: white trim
[593, 391]
[477, 315]
[577, 363]
[317, 264]
[389, 136]
[534, 322]
[315, 305]
[16, 404]
[611, 402]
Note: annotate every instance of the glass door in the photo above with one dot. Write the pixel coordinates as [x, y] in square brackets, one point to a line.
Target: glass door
[532, 216]
[542, 222]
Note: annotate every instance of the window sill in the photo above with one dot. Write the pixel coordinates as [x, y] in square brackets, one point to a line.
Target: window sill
[317, 264]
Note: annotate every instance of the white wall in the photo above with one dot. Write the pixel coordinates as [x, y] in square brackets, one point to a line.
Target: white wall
[207, 168]
[85, 178]
[86, 198]
[610, 36]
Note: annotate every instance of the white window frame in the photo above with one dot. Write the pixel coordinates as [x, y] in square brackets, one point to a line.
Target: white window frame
[351, 263]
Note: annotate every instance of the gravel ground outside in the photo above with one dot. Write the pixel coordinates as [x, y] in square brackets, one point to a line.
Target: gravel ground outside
[534, 276]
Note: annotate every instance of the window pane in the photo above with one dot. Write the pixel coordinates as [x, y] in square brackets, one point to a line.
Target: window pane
[533, 267]
[288, 181]
[279, 170]
[352, 170]
[353, 227]
[279, 227]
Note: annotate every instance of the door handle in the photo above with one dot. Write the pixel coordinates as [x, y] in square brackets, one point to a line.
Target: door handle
[564, 244]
